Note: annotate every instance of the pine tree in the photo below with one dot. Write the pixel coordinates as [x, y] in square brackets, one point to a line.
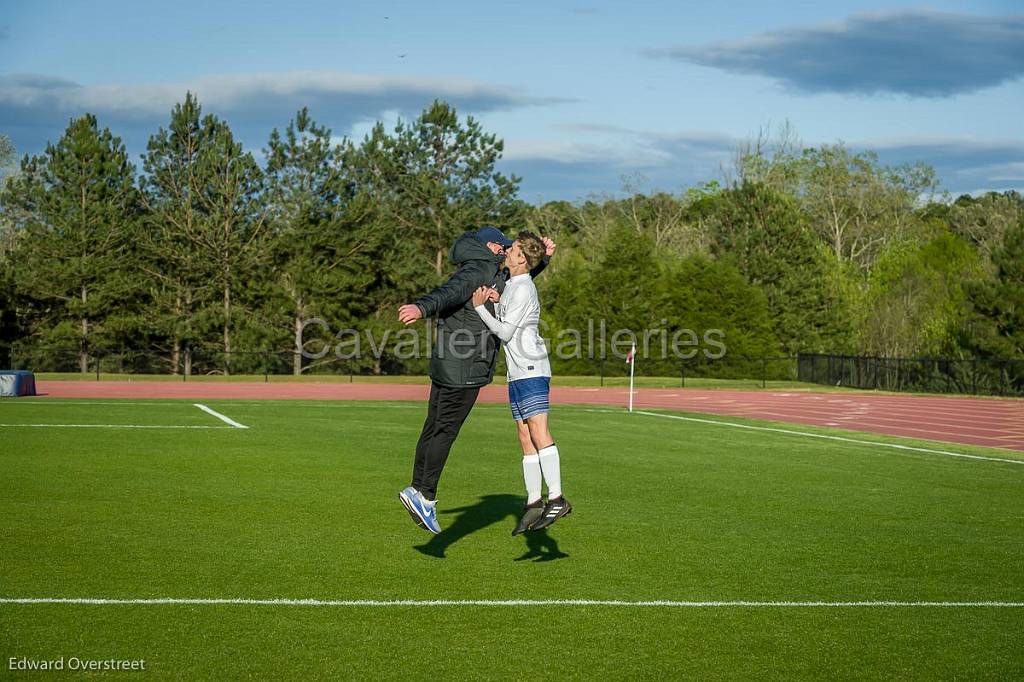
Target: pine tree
[436, 178]
[997, 325]
[233, 236]
[77, 203]
[701, 294]
[321, 241]
[9, 328]
[622, 288]
[8, 159]
[177, 282]
[204, 227]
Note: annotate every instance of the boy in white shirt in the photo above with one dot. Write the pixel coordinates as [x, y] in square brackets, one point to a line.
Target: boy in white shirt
[529, 377]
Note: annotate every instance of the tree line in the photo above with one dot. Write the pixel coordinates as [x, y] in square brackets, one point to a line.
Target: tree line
[200, 253]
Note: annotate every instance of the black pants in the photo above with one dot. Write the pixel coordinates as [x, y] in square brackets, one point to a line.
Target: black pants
[447, 410]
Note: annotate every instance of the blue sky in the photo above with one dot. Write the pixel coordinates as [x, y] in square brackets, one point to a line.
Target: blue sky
[584, 94]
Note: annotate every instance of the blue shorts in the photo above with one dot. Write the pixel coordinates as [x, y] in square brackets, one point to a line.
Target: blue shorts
[528, 397]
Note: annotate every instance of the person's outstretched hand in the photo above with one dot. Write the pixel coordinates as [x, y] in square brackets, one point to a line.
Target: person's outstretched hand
[409, 313]
[549, 246]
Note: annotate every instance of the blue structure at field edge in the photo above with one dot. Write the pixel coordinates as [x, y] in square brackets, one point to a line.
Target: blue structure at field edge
[17, 382]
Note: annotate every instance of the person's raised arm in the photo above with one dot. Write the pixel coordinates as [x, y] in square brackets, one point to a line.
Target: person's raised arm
[549, 251]
[455, 292]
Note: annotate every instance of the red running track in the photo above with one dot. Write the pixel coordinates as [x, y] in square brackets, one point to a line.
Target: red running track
[971, 421]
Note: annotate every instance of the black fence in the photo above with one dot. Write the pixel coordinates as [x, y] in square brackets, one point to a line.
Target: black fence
[678, 371]
[194, 363]
[978, 376]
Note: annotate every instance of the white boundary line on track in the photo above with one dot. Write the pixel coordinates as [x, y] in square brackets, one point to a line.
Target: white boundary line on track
[112, 426]
[509, 602]
[218, 415]
[843, 439]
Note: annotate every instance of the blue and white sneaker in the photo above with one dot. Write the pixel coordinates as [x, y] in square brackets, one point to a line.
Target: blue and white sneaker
[425, 515]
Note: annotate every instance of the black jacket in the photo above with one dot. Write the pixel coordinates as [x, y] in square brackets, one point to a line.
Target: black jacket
[466, 351]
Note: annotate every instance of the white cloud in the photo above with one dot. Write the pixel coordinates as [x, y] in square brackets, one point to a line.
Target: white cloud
[36, 108]
[565, 151]
[614, 157]
[671, 161]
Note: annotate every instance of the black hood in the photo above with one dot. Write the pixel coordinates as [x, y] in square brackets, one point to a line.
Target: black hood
[468, 247]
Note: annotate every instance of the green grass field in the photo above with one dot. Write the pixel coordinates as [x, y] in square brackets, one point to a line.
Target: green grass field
[303, 504]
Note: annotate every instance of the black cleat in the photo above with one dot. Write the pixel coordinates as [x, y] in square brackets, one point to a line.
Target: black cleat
[553, 510]
[531, 514]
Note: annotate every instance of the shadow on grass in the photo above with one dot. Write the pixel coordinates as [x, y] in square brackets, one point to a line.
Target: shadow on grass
[541, 547]
[488, 510]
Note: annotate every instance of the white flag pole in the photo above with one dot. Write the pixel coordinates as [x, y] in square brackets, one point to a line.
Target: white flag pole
[632, 364]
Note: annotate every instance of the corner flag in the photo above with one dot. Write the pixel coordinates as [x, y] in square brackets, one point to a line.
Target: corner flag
[631, 361]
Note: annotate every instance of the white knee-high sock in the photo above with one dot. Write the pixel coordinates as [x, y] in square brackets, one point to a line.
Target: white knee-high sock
[532, 477]
[552, 471]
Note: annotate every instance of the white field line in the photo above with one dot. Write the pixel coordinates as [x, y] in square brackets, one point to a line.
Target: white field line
[509, 602]
[218, 415]
[110, 426]
[844, 439]
[565, 407]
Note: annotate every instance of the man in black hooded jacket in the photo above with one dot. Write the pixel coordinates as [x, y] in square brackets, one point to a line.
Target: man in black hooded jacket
[462, 361]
